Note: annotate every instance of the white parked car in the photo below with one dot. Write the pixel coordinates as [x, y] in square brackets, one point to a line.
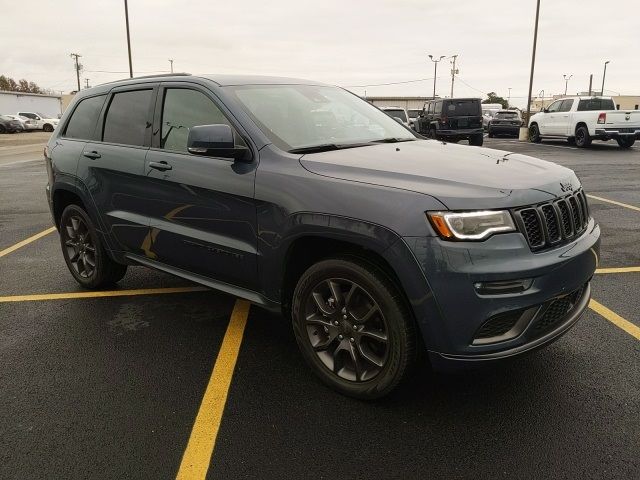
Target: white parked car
[580, 120]
[43, 122]
[398, 113]
[27, 123]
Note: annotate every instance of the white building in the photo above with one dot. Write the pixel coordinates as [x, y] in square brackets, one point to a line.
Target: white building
[48, 105]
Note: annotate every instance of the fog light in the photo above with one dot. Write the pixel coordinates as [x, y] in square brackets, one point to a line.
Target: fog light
[503, 287]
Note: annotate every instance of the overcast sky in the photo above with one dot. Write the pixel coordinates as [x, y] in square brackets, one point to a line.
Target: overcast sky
[344, 42]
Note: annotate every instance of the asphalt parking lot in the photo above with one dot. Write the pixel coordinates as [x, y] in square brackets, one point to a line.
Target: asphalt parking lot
[132, 383]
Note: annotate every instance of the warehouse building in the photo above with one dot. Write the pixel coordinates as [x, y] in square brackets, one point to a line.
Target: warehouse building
[408, 103]
[48, 105]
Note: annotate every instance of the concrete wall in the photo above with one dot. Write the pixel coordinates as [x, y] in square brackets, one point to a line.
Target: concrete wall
[13, 102]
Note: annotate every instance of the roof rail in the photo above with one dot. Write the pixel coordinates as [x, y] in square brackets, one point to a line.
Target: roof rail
[183, 74]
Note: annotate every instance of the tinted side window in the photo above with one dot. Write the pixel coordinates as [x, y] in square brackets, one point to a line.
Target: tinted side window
[566, 105]
[183, 109]
[555, 106]
[438, 107]
[127, 117]
[83, 120]
[596, 104]
[28, 115]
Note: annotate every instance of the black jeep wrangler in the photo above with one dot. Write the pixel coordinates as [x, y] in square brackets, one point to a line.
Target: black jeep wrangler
[452, 119]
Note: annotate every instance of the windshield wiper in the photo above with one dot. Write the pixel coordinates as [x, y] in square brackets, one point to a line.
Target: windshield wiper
[393, 140]
[325, 147]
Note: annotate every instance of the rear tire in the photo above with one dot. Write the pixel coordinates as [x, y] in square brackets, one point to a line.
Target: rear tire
[84, 253]
[2, 129]
[625, 142]
[476, 140]
[583, 139]
[491, 135]
[432, 133]
[534, 133]
[353, 327]
[47, 128]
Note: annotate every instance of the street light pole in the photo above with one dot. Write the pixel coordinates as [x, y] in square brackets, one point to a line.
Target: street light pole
[171, 62]
[524, 133]
[126, 17]
[604, 75]
[453, 73]
[435, 72]
[566, 83]
[509, 98]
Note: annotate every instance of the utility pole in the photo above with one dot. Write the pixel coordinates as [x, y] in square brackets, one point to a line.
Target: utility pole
[566, 83]
[86, 83]
[126, 17]
[523, 134]
[171, 62]
[435, 72]
[590, 83]
[604, 75]
[509, 98]
[78, 67]
[453, 73]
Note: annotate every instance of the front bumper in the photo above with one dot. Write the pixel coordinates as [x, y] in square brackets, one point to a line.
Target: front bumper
[454, 269]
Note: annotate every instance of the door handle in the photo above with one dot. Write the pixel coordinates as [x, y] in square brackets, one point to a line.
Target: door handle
[162, 166]
[92, 154]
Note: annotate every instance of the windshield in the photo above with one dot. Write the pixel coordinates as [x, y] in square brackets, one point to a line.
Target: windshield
[301, 116]
[507, 115]
[455, 108]
[414, 113]
[399, 113]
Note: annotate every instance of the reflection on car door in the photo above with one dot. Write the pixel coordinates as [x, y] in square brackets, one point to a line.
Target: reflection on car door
[204, 216]
[112, 169]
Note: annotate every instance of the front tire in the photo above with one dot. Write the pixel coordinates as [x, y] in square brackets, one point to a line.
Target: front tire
[534, 133]
[353, 328]
[84, 253]
[625, 142]
[490, 133]
[583, 139]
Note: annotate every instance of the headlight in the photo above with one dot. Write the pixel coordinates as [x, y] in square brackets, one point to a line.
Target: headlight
[476, 225]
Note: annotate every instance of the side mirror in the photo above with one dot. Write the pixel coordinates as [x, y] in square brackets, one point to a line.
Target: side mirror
[545, 110]
[216, 141]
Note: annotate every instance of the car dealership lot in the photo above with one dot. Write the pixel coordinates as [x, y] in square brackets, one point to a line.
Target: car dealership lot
[108, 387]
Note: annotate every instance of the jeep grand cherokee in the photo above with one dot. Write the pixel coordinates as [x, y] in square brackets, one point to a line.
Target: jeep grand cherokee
[305, 199]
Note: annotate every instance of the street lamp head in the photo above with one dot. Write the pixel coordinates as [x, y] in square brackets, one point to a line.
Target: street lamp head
[431, 57]
[606, 62]
[441, 57]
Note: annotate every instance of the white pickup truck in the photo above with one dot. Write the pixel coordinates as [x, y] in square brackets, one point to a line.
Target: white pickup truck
[42, 122]
[580, 120]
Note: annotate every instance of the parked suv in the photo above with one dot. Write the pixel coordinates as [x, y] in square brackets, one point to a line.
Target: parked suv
[452, 119]
[42, 122]
[305, 199]
[505, 122]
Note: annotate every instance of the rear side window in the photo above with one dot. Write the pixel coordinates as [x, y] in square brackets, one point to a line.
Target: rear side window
[127, 118]
[438, 107]
[28, 115]
[566, 105]
[83, 120]
[463, 107]
[183, 109]
[596, 104]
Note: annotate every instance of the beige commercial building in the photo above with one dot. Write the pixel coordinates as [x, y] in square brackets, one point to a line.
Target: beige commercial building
[623, 102]
[407, 103]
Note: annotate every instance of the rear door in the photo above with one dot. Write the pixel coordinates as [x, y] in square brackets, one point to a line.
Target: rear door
[463, 114]
[111, 169]
[204, 217]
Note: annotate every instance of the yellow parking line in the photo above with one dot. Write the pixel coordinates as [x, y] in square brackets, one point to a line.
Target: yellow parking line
[616, 319]
[618, 270]
[620, 204]
[18, 245]
[197, 455]
[98, 294]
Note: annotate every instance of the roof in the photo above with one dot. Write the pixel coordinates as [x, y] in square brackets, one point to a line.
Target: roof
[228, 80]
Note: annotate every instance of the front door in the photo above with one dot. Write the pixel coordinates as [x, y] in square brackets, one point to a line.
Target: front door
[548, 124]
[204, 217]
[563, 117]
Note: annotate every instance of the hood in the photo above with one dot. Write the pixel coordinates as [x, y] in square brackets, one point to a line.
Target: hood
[459, 176]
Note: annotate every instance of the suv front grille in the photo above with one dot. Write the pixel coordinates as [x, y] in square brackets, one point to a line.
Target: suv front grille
[553, 224]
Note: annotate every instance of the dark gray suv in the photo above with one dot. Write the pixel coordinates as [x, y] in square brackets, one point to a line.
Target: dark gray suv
[305, 199]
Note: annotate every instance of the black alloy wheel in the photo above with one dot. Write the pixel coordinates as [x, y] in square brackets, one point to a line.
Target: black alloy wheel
[534, 134]
[47, 128]
[582, 137]
[346, 329]
[81, 249]
[353, 327]
[625, 142]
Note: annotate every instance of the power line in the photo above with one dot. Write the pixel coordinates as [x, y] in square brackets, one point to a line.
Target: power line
[390, 83]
